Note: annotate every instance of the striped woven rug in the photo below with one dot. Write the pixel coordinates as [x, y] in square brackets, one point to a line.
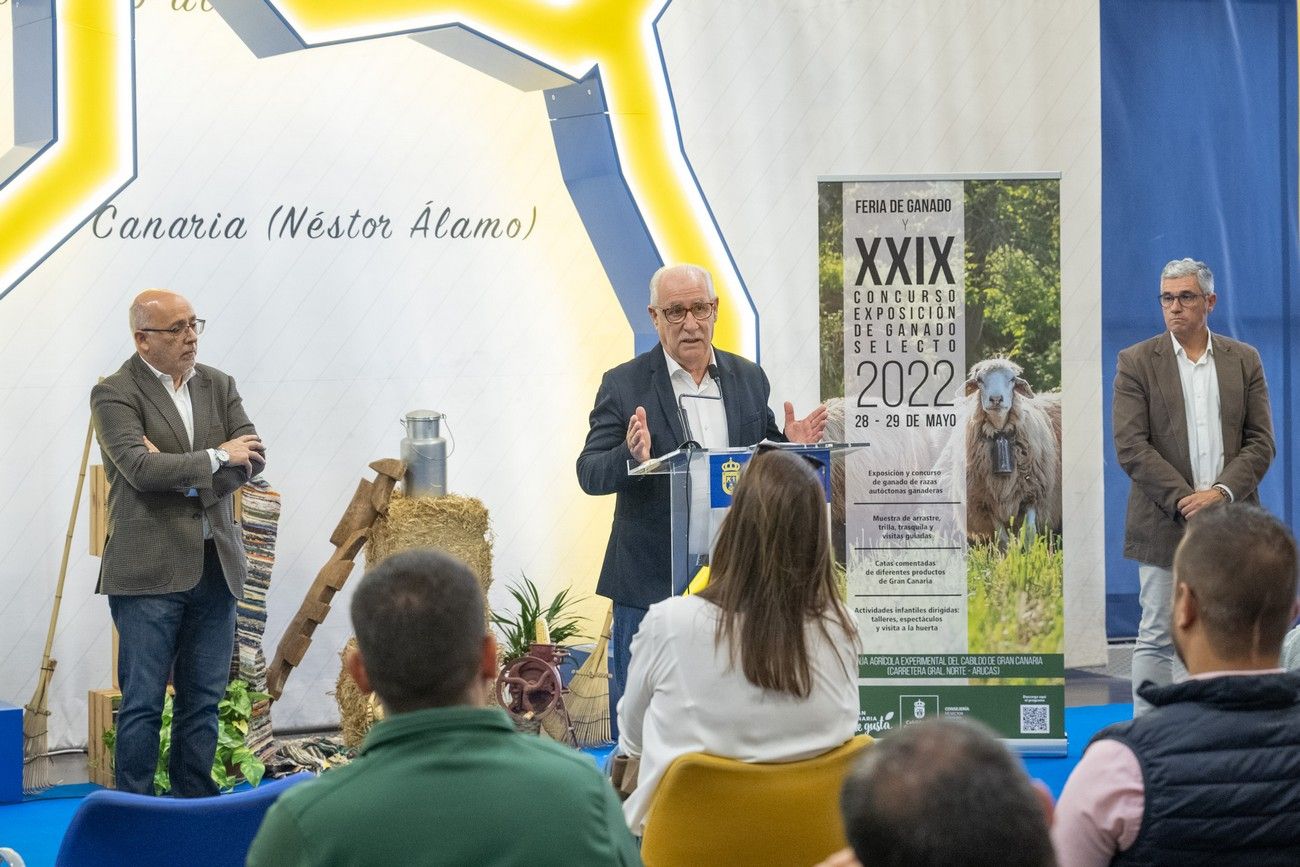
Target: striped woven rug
[261, 523]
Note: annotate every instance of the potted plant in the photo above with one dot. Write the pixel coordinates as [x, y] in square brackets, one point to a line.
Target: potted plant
[517, 630]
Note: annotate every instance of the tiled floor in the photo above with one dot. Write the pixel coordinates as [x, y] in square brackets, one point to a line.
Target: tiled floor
[1107, 684]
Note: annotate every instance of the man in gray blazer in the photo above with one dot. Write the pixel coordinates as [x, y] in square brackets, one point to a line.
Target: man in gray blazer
[176, 444]
[1192, 428]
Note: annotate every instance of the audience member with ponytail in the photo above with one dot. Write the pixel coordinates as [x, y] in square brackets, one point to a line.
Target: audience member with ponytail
[761, 665]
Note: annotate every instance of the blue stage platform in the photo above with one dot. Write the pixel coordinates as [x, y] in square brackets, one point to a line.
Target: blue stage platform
[34, 828]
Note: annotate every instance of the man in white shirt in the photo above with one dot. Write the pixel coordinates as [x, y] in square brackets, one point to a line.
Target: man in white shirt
[176, 444]
[1192, 428]
[639, 414]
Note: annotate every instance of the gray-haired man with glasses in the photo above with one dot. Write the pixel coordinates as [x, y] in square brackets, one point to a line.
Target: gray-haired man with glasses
[176, 444]
[684, 389]
[1192, 428]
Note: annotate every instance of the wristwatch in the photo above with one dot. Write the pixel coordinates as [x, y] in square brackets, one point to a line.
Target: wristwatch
[223, 456]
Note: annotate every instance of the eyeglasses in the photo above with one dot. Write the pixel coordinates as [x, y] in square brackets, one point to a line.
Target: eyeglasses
[178, 330]
[702, 311]
[1186, 299]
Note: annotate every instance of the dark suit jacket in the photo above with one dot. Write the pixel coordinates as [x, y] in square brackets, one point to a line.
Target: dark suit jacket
[155, 532]
[1151, 437]
[637, 567]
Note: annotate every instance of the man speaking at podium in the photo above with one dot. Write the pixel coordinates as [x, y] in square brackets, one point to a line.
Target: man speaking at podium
[682, 390]
[176, 445]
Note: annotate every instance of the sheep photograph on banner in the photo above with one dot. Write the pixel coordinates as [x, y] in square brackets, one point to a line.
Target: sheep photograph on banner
[940, 302]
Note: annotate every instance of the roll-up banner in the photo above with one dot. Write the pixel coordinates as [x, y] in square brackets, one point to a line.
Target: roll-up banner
[940, 303]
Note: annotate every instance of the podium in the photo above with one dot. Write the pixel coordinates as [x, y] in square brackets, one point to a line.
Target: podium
[701, 482]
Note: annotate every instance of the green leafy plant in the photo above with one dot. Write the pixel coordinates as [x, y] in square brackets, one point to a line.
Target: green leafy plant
[517, 630]
[233, 760]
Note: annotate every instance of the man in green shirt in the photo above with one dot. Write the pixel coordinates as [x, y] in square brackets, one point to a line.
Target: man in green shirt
[443, 779]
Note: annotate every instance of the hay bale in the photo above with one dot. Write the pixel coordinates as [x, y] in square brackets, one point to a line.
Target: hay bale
[358, 711]
[452, 523]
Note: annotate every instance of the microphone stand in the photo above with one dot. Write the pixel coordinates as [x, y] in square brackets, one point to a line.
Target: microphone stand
[717, 378]
[690, 443]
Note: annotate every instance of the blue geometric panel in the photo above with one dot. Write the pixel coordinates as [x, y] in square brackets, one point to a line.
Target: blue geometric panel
[35, 117]
[584, 143]
[1199, 159]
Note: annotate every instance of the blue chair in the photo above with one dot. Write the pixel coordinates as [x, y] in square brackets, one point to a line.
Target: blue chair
[113, 827]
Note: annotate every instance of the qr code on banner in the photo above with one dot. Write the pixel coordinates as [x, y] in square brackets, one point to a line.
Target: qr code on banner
[1035, 719]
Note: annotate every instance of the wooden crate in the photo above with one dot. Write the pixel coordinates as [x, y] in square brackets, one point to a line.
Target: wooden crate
[102, 705]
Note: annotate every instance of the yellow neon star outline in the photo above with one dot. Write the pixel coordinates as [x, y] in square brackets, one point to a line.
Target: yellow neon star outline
[616, 35]
[93, 154]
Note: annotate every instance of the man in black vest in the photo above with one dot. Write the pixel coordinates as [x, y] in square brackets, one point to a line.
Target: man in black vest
[1210, 775]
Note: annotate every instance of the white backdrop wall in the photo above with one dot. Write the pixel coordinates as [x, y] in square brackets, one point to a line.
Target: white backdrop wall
[332, 340]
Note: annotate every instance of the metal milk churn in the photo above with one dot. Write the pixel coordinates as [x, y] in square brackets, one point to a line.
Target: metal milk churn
[424, 452]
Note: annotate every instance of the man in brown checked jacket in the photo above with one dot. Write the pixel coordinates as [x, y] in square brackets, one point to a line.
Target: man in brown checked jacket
[1192, 428]
[176, 444]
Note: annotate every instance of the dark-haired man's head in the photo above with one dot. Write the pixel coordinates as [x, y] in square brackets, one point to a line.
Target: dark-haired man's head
[421, 638]
[1234, 589]
[945, 791]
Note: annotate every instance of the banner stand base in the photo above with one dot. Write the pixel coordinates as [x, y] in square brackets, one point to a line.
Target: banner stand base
[1026, 747]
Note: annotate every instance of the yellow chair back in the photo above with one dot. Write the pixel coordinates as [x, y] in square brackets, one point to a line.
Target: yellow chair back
[709, 810]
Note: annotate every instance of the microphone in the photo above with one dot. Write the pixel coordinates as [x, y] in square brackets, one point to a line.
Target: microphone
[717, 378]
[690, 442]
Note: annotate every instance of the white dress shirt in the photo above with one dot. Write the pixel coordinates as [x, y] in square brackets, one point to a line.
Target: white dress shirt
[1200, 383]
[707, 421]
[684, 695]
[185, 408]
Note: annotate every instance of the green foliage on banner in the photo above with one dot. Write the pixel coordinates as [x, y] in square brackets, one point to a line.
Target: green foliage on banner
[1016, 600]
[830, 286]
[1013, 275]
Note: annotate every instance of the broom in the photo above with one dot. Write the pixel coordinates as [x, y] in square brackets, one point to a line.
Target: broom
[588, 700]
[37, 763]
